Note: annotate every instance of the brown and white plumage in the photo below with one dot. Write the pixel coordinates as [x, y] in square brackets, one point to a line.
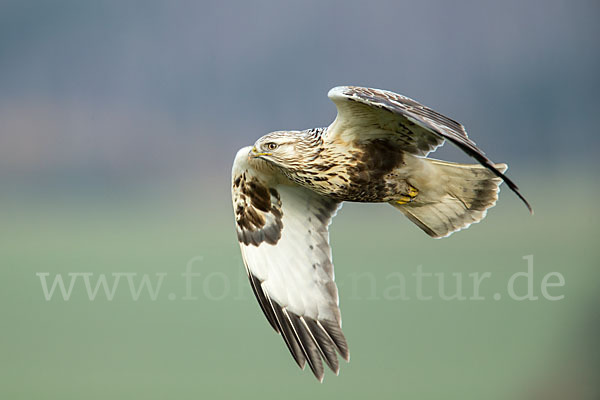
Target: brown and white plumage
[365, 112]
[284, 238]
[287, 188]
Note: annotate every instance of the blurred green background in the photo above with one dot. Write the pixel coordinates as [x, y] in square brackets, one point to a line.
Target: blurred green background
[118, 125]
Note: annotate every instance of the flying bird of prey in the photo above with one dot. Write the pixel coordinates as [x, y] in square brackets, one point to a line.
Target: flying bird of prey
[289, 185]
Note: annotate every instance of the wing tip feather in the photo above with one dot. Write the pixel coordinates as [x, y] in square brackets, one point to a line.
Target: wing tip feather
[309, 340]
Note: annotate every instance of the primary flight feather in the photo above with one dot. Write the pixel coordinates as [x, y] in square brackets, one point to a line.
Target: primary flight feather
[289, 185]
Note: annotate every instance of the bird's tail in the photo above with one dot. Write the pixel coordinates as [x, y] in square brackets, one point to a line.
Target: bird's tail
[452, 197]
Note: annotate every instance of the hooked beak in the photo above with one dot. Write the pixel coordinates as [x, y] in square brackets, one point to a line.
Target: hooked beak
[254, 153]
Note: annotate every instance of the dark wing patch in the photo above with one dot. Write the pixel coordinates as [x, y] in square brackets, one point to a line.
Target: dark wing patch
[422, 128]
[308, 340]
[257, 211]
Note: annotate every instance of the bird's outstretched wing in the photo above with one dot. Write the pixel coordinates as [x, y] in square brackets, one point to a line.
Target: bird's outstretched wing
[284, 238]
[365, 113]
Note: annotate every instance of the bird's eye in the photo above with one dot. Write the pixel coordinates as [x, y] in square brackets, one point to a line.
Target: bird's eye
[271, 146]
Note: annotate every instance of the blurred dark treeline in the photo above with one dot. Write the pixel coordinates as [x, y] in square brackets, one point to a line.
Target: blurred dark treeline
[159, 88]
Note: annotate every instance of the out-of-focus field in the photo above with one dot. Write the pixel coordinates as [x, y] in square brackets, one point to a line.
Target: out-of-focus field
[220, 346]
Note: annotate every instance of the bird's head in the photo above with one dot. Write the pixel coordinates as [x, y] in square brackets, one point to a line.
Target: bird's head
[283, 148]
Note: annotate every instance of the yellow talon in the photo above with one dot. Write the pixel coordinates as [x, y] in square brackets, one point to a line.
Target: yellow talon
[412, 192]
[404, 200]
